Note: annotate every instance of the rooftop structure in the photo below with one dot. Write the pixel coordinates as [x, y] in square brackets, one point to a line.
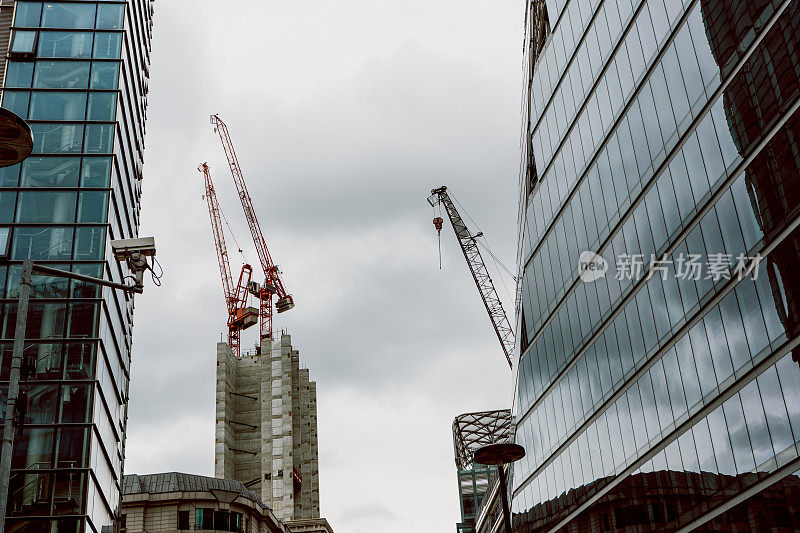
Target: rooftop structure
[266, 433]
[171, 502]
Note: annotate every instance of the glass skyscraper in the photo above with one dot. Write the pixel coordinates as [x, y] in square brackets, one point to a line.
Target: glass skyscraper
[78, 72]
[659, 380]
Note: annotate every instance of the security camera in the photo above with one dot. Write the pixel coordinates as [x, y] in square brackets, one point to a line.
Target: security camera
[135, 253]
[125, 248]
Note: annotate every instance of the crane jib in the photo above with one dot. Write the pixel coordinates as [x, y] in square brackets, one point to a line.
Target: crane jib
[480, 274]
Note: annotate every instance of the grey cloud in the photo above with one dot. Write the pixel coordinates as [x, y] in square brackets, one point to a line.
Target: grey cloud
[344, 116]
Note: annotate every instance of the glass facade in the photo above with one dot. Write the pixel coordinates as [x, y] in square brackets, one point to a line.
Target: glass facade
[662, 391]
[77, 71]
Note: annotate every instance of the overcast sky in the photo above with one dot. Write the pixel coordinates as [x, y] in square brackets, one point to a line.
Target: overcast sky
[344, 115]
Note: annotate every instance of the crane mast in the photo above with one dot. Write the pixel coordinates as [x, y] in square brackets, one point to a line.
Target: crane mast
[272, 284]
[477, 267]
[239, 315]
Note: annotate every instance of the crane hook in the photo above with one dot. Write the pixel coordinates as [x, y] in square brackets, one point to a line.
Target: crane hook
[437, 223]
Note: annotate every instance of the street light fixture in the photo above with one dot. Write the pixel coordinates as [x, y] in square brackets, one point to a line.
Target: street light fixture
[500, 455]
[16, 138]
[134, 252]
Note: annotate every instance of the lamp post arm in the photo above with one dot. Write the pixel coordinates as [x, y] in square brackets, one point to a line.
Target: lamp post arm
[42, 269]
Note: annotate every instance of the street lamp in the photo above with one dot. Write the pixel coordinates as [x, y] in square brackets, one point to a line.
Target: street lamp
[134, 252]
[500, 455]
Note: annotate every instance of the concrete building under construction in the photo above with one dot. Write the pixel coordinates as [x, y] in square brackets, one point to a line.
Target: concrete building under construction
[266, 429]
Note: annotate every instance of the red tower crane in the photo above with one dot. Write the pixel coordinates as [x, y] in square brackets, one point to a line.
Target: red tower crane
[273, 286]
[240, 316]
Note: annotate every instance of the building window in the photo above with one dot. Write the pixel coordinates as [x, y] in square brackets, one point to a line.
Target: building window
[204, 519]
[236, 522]
[123, 525]
[183, 520]
[5, 238]
[24, 43]
[222, 520]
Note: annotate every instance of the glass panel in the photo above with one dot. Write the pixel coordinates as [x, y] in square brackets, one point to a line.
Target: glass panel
[93, 206]
[28, 14]
[42, 243]
[8, 202]
[68, 15]
[57, 138]
[90, 243]
[110, 16]
[105, 75]
[80, 357]
[46, 207]
[50, 172]
[34, 448]
[108, 45]
[17, 102]
[58, 105]
[65, 44]
[96, 172]
[19, 74]
[42, 404]
[5, 238]
[75, 396]
[62, 74]
[9, 176]
[102, 106]
[99, 138]
[24, 42]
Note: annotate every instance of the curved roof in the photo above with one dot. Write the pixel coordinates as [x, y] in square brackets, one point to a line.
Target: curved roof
[179, 482]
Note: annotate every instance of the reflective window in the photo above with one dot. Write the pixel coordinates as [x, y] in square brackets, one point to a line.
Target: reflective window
[90, 243]
[105, 75]
[5, 239]
[9, 176]
[99, 138]
[62, 75]
[8, 202]
[28, 14]
[57, 138]
[50, 172]
[17, 102]
[93, 206]
[42, 243]
[19, 74]
[96, 172]
[69, 15]
[110, 16]
[107, 45]
[102, 106]
[24, 42]
[53, 105]
[65, 44]
[57, 207]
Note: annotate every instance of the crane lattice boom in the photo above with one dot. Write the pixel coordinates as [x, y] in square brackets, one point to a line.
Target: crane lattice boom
[479, 272]
[273, 284]
[239, 315]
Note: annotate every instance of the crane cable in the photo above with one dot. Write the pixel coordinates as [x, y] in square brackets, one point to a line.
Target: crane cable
[230, 231]
[499, 264]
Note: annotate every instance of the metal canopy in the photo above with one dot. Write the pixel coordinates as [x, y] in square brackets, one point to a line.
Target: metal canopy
[472, 431]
